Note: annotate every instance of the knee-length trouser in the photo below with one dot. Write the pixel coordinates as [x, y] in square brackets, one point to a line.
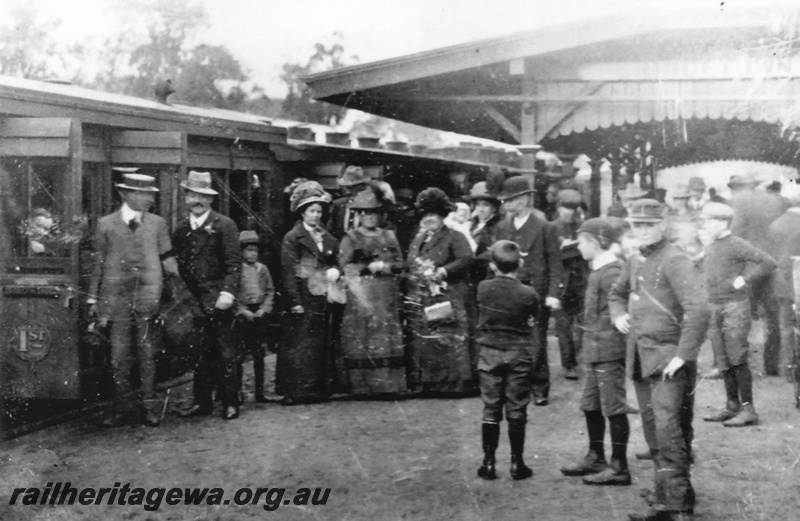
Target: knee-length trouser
[505, 382]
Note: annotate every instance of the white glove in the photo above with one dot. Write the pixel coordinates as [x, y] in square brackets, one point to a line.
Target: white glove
[738, 282]
[332, 274]
[623, 324]
[224, 301]
[376, 266]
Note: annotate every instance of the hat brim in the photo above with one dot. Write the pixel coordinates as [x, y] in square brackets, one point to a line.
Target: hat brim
[504, 197]
[644, 219]
[205, 191]
[311, 200]
[123, 186]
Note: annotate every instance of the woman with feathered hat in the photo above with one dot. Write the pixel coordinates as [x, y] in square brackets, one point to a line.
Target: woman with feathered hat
[439, 262]
[372, 338]
[305, 365]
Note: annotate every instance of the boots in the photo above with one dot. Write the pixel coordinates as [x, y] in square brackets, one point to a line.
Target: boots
[149, 416]
[516, 437]
[730, 411]
[592, 463]
[491, 435]
[746, 417]
[614, 474]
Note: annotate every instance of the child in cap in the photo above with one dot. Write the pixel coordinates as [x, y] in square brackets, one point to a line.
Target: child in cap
[507, 309]
[256, 295]
[603, 356]
[732, 265]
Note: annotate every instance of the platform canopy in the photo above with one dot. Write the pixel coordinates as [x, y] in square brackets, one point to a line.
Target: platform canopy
[537, 85]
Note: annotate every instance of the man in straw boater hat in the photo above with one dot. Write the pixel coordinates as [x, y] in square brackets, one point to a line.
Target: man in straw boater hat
[542, 268]
[210, 262]
[132, 251]
[658, 301]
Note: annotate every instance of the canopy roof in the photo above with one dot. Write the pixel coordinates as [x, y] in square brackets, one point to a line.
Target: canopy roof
[584, 76]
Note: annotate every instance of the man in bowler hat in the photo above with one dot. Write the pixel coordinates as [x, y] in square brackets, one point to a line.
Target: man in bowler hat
[542, 268]
[132, 251]
[210, 262]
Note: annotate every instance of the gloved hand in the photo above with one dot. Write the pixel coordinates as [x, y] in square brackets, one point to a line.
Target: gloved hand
[224, 301]
[332, 274]
[377, 266]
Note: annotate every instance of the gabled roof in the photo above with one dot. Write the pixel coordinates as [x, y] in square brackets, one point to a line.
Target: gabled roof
[581, 76]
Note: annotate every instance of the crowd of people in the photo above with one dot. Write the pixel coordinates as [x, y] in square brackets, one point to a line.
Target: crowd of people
[444, 299]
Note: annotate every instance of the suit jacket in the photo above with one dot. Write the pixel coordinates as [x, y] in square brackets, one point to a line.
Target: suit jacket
[447, 249]
[538, 241]
[209, 258]
[126, 265]
[303, 264]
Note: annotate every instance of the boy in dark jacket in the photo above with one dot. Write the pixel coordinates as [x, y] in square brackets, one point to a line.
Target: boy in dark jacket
[732, 266]
[507, 310]
[256, 295]
[603, 357]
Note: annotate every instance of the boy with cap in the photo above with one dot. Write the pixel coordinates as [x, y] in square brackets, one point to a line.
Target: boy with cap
[507, 307]
[658, 300]
[604, 363]
[256, 294]
[732, 266]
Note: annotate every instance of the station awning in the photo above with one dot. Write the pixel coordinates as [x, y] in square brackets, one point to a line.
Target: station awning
[541, 84]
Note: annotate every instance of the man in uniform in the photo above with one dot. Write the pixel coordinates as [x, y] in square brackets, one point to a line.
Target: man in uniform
[667, 319]
[542, 268]
[132, 250]
[210, 262]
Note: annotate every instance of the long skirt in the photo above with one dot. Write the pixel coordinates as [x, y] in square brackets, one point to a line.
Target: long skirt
[304, 366]
[439, 357]
[372, 338]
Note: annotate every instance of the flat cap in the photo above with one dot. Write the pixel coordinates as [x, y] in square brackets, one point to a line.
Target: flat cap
[569, 198]
[646, 210]
[714, 210]
[600, 227]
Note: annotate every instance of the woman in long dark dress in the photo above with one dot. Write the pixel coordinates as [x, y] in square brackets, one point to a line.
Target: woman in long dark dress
[439, 261]
[305, 365]
[371, 335]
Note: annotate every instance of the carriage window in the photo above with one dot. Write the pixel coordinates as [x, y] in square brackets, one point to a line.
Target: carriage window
[33, 208]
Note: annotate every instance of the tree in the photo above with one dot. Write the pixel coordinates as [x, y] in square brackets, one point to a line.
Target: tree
[27, 48]
[298, 104]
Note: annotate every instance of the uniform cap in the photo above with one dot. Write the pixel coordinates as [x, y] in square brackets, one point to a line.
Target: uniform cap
[646, 211]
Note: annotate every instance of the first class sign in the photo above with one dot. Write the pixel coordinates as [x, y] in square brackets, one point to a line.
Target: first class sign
[26, 291]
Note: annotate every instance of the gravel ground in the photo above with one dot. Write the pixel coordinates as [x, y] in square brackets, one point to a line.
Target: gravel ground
[406, 459]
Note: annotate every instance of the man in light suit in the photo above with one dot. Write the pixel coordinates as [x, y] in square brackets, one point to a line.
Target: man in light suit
[542, 268]
[210, 261]
[132, 250]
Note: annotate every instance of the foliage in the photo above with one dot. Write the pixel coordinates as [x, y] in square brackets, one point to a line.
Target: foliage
[298, 104]
[26, 46]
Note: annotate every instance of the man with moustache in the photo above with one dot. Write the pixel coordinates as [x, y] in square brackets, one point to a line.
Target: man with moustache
[542, 268]
[210, 262]
[132, 250]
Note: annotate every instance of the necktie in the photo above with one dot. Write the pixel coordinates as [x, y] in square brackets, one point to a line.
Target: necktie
[133, 224]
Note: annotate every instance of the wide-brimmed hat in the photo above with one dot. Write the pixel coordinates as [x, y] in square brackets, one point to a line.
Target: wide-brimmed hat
[353, 175]
[480, 192]
[737, 181]
[645, 211]
[138, 182]
[366, 200]
[306, 193]
[633, 191]
[199, 182]
[569, 198]
[434, 200]
[515, 186]
[248, 237]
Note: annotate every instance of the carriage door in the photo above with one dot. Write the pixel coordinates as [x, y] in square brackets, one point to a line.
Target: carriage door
[40, 228]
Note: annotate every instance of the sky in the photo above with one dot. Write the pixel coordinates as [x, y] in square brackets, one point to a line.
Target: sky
[265, 34]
